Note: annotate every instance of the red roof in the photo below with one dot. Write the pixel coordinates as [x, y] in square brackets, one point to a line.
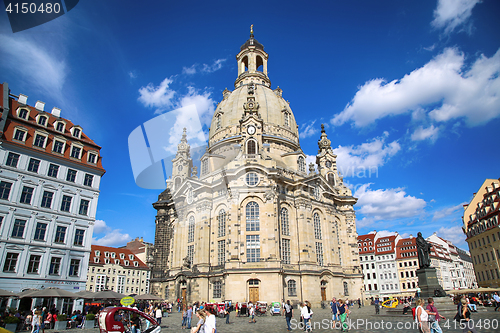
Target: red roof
[406, 248]
[121, 256]
[31, 125]
[365, 242]
[385, 245]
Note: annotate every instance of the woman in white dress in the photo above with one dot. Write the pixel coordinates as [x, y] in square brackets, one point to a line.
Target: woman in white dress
[422, 317]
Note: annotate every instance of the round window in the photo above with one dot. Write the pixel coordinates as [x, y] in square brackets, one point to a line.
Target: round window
[252, 179]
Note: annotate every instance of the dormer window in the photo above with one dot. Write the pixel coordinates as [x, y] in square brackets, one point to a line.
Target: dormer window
[136, 264]
[218, 121]
[92, 157]
[23, 113]
[60, 126]
[131, 256]
[40, 140]
[122, 256]
[127, 263]
[58, 145]
[106, 261]
[286, 118]
[106, 254]
[76, 151]
[42, 121]
[96, 260]
[20, 134]
[113, 255]
[97, 253]
[76, 132]
[117, 261]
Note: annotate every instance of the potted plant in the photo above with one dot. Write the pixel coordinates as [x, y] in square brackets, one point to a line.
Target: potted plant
[11, 323]
[90, 316]
[61, 323]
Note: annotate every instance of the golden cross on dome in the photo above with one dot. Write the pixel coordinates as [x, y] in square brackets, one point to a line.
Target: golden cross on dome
[251, 29]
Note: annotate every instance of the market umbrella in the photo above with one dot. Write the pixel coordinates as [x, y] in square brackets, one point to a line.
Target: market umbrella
[27, 293]
[148, 297]
[85, 294]
[53, 292]
[6, 293]
[108, 294]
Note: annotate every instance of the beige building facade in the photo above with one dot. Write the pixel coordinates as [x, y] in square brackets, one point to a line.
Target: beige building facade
[256, 223]
[481, 218]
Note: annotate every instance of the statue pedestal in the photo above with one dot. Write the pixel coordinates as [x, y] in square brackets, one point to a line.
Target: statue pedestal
[428, 283]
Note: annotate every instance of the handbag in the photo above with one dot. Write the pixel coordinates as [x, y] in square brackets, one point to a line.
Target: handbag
[431, 318]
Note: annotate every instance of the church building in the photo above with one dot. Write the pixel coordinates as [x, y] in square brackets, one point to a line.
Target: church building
[256, 223]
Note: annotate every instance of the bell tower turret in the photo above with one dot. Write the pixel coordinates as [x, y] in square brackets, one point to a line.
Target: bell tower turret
[252, 63]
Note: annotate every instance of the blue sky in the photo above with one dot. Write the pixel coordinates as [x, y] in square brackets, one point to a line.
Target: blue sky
[409, 91]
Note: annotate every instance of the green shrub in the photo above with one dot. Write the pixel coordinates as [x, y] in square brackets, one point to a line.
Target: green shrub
[62, 317]
[12, 320]
[90, 316]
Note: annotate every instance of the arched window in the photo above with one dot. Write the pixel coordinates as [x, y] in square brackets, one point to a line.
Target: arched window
[251, 147]
[259, 64]
[286, 118]
[191, 229]
[252, 215]
[331, 179]
[317, 226]
[253, 282]
[346, 289]
[217, 289]
[285, 226]
[302, 164]
[292, 288]
[221, 223]
[218, 121]
[177, 183]
[204, 167]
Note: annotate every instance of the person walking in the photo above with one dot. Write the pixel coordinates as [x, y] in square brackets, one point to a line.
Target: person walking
[335, 312]
[184, 319]
[158, 315]
[251, 313]
[227, 310]
[189, 316]
[465, 323]
[210, 322]
[35, 322]
[288, 313]
[422, 317]
[306, 314]
[343, 314]
[434, 317]
[377, 306]
[200, 326]
[497, 301]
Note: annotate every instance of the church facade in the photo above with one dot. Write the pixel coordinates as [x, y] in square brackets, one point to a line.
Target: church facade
[256, 223]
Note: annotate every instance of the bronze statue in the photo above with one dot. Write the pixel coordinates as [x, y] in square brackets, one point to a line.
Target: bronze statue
[423, 249]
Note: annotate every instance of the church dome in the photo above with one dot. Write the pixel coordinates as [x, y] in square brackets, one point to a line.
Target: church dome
[253, 108]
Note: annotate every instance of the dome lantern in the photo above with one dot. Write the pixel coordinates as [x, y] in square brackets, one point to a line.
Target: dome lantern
[252, 63]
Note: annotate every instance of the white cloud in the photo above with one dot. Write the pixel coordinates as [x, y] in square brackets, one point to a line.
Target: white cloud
[205, 105]
[421, 133]
[451, 14]
[189, 70]
[34, 64]
[387, 204]
[386, 233]
[112, 237]
[307, 130]
[160, 97]
[355, 161]
[214, 67]
[448, 211]
[132, 74]
[471, 93]
[453, 234]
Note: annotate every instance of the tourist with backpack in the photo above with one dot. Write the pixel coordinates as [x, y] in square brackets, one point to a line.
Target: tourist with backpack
[463, 315]
[288, 313]
[306, 314]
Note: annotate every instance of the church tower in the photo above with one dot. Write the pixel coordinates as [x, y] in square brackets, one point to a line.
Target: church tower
[256, 224]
